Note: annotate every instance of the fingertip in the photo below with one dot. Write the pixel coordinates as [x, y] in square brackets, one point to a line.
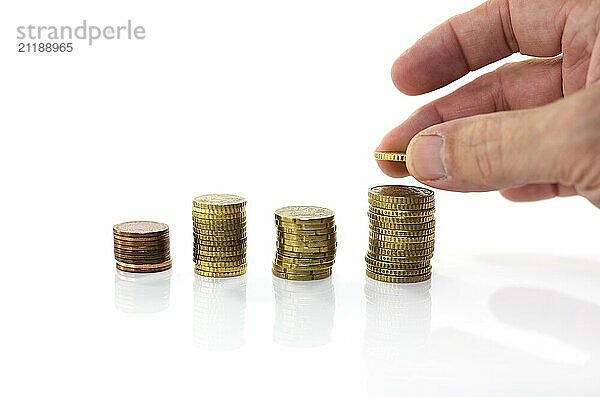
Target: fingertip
[393, 169]
[401, 76]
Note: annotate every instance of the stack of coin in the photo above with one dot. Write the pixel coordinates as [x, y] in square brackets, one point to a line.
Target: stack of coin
[306, 243]
[219, 235]
[142, 247]
[401, 235]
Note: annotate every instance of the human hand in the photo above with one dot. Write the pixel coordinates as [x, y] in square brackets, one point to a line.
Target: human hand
[529, 129]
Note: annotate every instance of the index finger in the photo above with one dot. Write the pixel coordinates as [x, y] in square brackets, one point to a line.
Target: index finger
[469, 41]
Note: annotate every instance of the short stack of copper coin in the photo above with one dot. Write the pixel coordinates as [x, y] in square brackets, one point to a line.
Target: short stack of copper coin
[401, 233]
[219, 235]
[306, 243]
[142, 246]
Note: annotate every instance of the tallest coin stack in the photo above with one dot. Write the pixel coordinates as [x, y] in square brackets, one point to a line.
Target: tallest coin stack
[401, 235]
[219, 235]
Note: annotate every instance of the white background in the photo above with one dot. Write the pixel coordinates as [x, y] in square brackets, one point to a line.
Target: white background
[283, 103]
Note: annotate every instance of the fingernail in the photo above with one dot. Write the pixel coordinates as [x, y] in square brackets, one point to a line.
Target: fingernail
[425, 157]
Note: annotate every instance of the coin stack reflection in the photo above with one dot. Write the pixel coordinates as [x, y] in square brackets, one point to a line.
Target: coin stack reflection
[142, 293]
[306, 243]
[219, 235]
[219, 312]
[401, 235]
[397, 332]
[304, 312]
[142, 247]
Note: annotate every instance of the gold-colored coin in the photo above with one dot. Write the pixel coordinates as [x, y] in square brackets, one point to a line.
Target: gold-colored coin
[217, 258]
[401, 194]
[304, 261]
[400, 280]
[402, 239]
[383, 253]
[413, 262]
[219, 217]
[400, 272]
[219, 201]
[220, 263]
[218, 237]
[216, 221]
[427, 226]
[304, 226]
[232, 232]
[327, 244]
[400, 215]
[307, 232]
[225, 210]
[401, 233]
[399, 220]
[219, 274]
[296, 277]
[306, 238]
[238, 242]
[308, 250]
[220, 266]
[303, 265]
[401, 245]
[390, 156]
[399, 259]
[402, 206]
[318, 269]
[210, 251]
[304, 214]
[219, 229]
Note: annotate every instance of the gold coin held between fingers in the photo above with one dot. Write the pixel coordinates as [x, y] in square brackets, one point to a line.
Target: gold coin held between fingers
[390, 156]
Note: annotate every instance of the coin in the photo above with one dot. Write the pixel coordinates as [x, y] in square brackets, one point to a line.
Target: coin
[297, 277]
[401, 239]
[427, 225]
[218, 262]
[304, 226]
[421, 213]
[141, 246]
[140, 228]
[219, 200]
[304, 214]
[302, 260]
[306, 237]
[388, 252]
[401, 206]
[390, 156]
[393, 279]
[400, 272]
[400, 245]
[306, 242]
[204, 273]
[144, 268]
[399, 262]
[401, 234]
[401, 194]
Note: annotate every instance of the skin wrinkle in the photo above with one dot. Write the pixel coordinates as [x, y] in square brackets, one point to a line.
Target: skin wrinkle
[595, 47]
[465, 60]
[506, 21]
[579, 45]
[505, 105]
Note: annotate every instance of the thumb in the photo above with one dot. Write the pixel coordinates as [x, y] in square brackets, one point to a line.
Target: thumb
[487, 152]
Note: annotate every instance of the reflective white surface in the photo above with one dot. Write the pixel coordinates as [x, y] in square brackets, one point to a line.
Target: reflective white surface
[283, 103]
[484, 325]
